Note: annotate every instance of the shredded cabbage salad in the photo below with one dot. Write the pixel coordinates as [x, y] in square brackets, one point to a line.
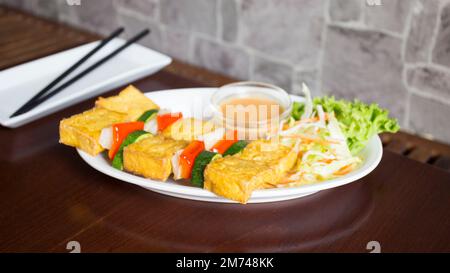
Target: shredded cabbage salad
[328, 134]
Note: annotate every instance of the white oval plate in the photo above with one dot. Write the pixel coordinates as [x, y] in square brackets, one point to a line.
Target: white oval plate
[190, 101]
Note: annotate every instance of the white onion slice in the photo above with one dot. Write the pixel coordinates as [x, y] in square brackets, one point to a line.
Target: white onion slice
[210, 139]
[163, 111]
[151, 126]
[106, 138]
[176, 165]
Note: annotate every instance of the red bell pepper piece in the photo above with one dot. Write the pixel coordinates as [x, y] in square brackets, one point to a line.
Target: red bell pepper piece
[188, 156]
[222, 145]
[165, 120]
[120, 132]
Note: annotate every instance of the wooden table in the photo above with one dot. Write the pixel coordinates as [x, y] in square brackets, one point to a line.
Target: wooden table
[49, 197]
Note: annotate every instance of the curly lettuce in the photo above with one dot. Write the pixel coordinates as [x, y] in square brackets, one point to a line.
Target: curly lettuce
[358, 121]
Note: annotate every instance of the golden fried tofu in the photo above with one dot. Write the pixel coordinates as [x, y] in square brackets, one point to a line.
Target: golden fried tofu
[261, 162]
[188, 129]
[83, 130]
[235, 178]
[130, 101]
[151, 157]
[280, 157]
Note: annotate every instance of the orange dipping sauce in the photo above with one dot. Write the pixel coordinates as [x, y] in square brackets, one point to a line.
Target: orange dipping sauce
[245, 111]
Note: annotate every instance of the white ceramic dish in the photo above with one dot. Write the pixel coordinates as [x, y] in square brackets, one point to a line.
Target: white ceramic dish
[21, 82]
[189, 100]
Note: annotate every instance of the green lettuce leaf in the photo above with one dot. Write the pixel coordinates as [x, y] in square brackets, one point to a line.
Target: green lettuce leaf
[358, 121]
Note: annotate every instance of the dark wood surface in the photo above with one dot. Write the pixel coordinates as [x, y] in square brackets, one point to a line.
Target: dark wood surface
[24, 37]
[49, 196]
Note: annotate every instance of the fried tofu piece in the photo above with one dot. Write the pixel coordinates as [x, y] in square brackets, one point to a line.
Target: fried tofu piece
[236, 178]
[261, 162]
[280, 157]
[130, 101]
[83, 130]
[151, 157]
[188, 129]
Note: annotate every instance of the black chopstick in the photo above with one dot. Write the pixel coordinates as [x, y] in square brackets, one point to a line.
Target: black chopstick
[86, 71]
[23, 108]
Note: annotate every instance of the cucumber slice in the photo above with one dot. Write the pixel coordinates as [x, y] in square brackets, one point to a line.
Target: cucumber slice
[132, 137]
[203, 159]
[147, 115]
[235, 148]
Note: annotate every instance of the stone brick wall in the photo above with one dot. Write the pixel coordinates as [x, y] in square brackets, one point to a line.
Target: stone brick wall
[396, 53]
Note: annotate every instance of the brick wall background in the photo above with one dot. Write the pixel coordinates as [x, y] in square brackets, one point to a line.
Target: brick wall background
[396, 53]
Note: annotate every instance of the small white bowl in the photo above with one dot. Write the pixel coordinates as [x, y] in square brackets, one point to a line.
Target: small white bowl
[249, 89]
